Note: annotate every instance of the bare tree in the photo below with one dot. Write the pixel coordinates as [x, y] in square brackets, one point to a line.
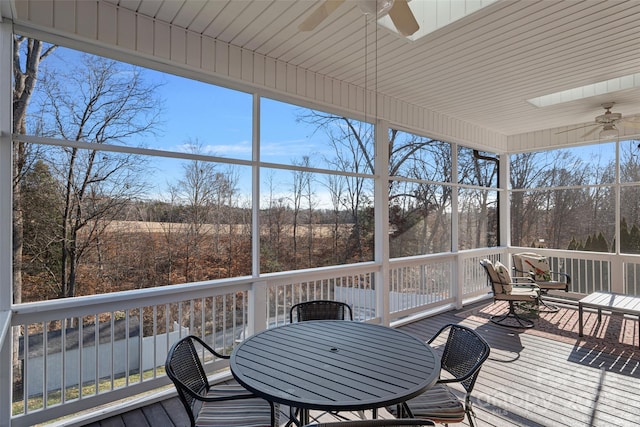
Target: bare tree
[312, 204]
[28, 53]
[274, 219]
[527, 171]
[335, 186]
[567, 198]
[352, 143]
[630, 200]
[301, 190]
[410, 156]
[196, 191]
[209, 195]
[226, 203]
[100, 102]
[481, 170]
[418, 207]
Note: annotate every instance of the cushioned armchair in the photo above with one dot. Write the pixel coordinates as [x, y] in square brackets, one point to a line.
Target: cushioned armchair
[229, 405]
[507, 289]
[536, 267]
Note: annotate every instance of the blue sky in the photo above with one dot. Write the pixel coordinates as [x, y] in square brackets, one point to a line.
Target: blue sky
[219, 120]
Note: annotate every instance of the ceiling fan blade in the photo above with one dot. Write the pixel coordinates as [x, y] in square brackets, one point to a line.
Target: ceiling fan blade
[590, 132]
[579, 127]
[627, 123]
[403, 18]
[319, 15]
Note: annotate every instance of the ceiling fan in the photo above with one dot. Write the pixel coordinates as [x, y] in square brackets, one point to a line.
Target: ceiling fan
[398, 10]
[607, 123]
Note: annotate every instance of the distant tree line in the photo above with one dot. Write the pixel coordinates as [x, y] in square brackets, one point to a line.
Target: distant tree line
[629, 241]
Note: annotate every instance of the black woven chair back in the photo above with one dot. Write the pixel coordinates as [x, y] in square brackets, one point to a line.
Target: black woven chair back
[184, 368]
[464, 352]
[321, 310]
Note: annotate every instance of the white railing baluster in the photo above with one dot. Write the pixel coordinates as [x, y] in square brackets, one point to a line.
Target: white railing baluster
[416, 284]
[96, 344]
[26, 367]
[127, 339]
[63, 360]
[45, 367]
[80, 357]
[113, 354]
[154, 327]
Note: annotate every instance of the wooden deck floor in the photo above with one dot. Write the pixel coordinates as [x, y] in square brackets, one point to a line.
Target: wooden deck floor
[528, 380]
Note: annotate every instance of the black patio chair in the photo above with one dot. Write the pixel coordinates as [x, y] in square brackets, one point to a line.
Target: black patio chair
[222, 404]
[464, 353]
[320, 310]
[376, 423]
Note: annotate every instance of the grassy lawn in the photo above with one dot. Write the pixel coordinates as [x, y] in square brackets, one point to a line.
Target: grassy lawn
[73, 393]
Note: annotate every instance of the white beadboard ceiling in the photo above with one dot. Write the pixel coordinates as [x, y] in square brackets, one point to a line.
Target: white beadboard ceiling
[480, 69]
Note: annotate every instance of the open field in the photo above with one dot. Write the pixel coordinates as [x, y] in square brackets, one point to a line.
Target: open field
[319, 230]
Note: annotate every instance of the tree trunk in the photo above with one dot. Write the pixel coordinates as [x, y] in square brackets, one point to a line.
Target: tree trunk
[24, 83]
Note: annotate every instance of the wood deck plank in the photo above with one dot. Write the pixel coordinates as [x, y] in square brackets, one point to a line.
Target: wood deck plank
[176, 412]
[156, 415]
[528, 380]
[547, 382]
[138, 418]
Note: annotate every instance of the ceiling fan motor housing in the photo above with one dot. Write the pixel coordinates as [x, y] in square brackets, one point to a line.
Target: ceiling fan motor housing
[608, 118]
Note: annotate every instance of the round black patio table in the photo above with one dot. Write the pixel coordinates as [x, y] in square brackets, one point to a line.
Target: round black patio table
[334, 365]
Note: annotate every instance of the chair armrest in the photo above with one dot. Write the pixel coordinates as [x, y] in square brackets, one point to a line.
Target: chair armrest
[458, 380]
[522, 280]
[209, 349]
[201, 396]
[434, 336]
[525, 285]
[560, 274]
[522, 273]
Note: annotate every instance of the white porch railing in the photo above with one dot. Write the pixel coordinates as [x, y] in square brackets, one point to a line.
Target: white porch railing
[594, 271]
[78, 353]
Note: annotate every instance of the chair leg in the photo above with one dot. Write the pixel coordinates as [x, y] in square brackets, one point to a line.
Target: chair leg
[469, 410]
[548, 308]
[502, 320]
[470, 418]
[293, 417]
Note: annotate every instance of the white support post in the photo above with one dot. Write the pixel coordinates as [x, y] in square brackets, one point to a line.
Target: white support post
[456, 273]
[255, 186]
[381, 212]
[618, 276]
[6, 215]
[257, 309]
[503, 193]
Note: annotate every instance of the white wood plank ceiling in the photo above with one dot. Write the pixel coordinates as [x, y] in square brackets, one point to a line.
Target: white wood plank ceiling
[480, 69]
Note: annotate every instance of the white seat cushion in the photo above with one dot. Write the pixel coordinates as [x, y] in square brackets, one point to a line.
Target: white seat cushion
[438, 404]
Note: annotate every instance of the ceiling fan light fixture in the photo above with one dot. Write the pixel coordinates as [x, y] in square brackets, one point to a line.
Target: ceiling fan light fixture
[377, 8]
[609, 131]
